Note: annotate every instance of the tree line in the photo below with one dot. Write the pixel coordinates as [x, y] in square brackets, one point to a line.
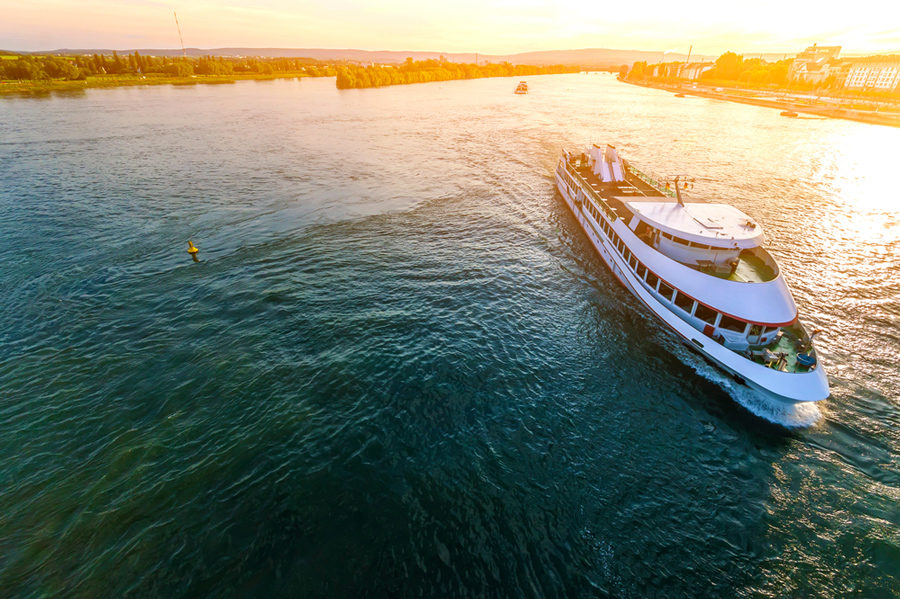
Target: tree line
[43, 68]
[46, 68]
[728, 67]
[423, 71]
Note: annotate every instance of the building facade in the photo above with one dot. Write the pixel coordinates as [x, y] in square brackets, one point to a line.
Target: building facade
[693, 70]
[814, 65]
[876, 73]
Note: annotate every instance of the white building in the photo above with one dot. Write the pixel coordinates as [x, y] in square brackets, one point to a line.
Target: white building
[877, 73]
[813, 65]
[694, 70]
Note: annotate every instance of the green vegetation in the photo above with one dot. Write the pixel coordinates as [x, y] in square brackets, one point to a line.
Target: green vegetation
[734, 71]
[36, 74]
[433, 70]
[729, 69]
[40, 74]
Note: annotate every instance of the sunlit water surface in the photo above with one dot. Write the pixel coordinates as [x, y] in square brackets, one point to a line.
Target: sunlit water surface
[399, 369]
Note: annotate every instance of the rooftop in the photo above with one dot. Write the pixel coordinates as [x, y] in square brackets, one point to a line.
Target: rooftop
[718, 225]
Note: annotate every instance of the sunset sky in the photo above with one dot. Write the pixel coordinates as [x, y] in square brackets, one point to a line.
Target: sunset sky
[486, 26]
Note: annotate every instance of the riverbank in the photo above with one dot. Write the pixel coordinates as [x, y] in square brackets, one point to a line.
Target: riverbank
[426, 71]
[824, 107]
[104, 81]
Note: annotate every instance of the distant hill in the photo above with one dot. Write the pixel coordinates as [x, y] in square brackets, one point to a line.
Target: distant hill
[587, 57]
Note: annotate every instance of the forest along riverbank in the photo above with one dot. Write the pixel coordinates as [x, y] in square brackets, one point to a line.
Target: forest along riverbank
[14, 88]
[862, 116]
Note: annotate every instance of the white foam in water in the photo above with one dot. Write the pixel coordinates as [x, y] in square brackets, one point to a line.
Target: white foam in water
[797, 416]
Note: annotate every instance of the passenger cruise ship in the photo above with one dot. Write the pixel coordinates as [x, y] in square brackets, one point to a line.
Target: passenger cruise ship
[700, 268]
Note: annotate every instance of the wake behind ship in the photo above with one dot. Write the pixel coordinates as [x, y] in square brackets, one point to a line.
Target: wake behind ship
[700, 268]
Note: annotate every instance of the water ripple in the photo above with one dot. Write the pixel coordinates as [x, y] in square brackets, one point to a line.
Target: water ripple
[400, 369]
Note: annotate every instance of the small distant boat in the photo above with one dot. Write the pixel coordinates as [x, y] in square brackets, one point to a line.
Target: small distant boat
[679, 95]
[789, 113]
[522, 88]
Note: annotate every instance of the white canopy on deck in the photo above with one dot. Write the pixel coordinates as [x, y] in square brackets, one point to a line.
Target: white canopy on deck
[717, 225]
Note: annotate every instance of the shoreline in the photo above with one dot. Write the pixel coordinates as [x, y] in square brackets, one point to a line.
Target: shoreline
[861, 116]
[31, 88]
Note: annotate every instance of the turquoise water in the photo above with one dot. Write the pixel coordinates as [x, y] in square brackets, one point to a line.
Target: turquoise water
[398, 369]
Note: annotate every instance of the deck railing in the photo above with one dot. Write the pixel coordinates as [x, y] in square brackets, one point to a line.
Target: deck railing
[650, 180]
[592, 193]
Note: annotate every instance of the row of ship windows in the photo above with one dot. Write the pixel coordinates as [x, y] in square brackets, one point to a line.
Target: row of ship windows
[606, 210]
[566, 177]
[673, 238]
[692, 244]
[685, 302]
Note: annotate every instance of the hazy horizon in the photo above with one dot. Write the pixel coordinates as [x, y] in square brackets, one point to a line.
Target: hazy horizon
[498, 27]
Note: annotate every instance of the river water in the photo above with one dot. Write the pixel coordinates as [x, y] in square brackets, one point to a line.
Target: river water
[398, 369]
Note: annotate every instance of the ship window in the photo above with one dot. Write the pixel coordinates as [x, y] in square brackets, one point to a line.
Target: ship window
[667, 236]
[733, 324]
[680, 240]
[641, 229]
[652, 279]
[701, 246]
[684, 302]
[641, 270]
[627, 255]
[665, 291]
[755, 330]
[706, 314]
[619, 245]
[632, 262]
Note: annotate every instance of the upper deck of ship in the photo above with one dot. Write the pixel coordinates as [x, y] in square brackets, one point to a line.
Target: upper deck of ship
[718, 225]
[716, 239]
[715, 225]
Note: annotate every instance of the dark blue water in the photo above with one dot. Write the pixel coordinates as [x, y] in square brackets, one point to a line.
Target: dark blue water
[398, 369]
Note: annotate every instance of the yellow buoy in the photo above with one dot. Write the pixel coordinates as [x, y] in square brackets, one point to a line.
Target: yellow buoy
[193, 251]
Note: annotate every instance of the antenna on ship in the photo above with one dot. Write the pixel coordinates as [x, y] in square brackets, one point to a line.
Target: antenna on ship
[678, 179]
[183, 51]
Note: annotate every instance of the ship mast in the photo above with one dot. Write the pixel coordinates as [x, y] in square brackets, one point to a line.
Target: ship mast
[679, 179]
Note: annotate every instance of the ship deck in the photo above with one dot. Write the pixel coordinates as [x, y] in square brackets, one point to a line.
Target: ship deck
[750, 269]
[782, 355]
[632, 186]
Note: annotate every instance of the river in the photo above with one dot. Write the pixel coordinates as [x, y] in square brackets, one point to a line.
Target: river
[398, 368]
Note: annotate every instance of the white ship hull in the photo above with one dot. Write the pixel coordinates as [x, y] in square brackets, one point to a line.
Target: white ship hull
[789, 388]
